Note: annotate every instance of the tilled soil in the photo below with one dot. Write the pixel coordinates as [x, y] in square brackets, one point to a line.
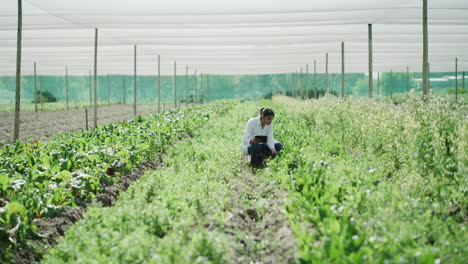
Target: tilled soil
[42, 125]
[258, 222]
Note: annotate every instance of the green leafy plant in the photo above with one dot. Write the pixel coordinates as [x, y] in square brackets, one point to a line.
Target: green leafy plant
[43, 178]
[374, 182]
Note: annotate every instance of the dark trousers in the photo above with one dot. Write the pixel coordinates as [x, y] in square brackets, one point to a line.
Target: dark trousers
[263, 149]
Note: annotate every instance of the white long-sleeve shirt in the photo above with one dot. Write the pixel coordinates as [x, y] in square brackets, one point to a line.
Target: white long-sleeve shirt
[254, 128]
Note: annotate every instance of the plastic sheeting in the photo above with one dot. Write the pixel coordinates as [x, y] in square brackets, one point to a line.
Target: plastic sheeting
[231, 37]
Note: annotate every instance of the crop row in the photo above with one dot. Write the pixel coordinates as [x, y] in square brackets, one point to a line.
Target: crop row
[175, 214]
[40, 179]
[374, 182]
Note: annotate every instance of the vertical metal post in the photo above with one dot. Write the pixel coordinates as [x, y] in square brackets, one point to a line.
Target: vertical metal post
[135, 83]
[159, 83]
[175, 84]
[315, 79]
[326, 73]
[35, 88]
[463, 80]
[369, 31]
[342, 70]
[18, 72]
[95, 75]
[425, 51]
[308, 77]
[456, 79]
[86, 118]
[66, 85]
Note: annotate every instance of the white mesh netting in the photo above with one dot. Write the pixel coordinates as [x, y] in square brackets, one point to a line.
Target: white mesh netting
[231, 37]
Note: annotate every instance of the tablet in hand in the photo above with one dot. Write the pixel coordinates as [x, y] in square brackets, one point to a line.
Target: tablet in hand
[261, 139]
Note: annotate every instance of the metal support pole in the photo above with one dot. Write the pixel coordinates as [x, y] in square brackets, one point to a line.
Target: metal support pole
[86, 118]
[135, 83]
[175, 84]
[159, 83]
[371, 92]
[456, 79]
[66, 85]
[35, 89]
[342, 70]
[425, 52]
[95, 75]
[18, 72]
[463, 80]
[308, 77]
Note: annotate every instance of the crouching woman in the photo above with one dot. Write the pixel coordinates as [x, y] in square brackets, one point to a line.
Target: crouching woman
[258, 141]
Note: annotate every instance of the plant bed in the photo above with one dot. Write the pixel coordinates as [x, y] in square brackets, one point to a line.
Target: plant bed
[42, 179]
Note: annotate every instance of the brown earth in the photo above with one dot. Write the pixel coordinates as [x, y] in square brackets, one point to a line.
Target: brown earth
[42, 125]
[258, 222]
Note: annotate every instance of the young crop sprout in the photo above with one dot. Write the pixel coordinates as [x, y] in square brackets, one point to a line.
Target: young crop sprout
[258, 141]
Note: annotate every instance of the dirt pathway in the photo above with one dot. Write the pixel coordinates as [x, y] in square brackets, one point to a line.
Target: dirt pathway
[258, 221]
[44, 124]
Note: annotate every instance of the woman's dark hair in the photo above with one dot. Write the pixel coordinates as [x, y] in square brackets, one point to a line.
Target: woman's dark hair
[267, 112]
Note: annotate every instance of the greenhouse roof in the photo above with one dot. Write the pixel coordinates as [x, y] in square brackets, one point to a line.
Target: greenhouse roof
[231, 37]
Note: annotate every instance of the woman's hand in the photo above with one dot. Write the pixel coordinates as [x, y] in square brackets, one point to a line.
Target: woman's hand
[273, 151]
